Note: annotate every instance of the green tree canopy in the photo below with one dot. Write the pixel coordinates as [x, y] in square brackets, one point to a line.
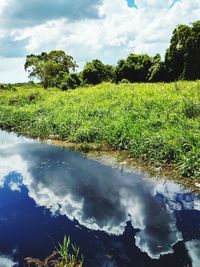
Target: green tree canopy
[135, 68]
[182, 61]
[49, 68]
[96, 72]
[70, 81]
[183, 56]
[158, 71]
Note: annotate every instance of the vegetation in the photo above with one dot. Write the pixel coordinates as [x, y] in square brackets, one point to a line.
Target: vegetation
[183, 56]
[50, 68]
[7, 87]
[158, 123]
[134, 69]
[66, 255]
[96, 72]
[182, 61]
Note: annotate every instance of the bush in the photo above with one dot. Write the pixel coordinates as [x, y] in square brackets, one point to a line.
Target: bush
[7, 87]
[192, 109]
[96, 72]
[70, 81]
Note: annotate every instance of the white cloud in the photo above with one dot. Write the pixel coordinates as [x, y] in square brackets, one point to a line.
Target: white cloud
[193, 248]
[146, 30]
[15, 186]
[12, 70]
[120, 31]
[6, 261]
[3, 5]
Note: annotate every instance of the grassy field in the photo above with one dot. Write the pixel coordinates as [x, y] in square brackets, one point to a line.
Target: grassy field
[159, 123]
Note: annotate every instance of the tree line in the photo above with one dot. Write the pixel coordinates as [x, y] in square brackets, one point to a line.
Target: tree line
[181, 62]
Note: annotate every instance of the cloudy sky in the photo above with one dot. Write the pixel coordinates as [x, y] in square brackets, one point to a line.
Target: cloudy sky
[87, 29]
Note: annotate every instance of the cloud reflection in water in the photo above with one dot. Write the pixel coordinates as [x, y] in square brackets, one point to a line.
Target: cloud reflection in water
[6, 261]
[98, 196]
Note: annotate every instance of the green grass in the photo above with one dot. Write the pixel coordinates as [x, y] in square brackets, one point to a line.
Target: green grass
[159, 123]
[66, 255]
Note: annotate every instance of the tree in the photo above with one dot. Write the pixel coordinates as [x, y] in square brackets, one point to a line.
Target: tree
[158, 71]
[49, 68]
[96, 72]
[183, 56]
[70, 81]
[135, 68]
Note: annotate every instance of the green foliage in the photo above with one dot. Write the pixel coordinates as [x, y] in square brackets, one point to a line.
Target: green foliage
[49, 68]
[96, 72]
[69, 254]
[134, 69]
[182, 61]
[7, 87]
[192, 109]
[159, 123]
[158, 71]
[183, 56]
[70, 81]
[66, 255]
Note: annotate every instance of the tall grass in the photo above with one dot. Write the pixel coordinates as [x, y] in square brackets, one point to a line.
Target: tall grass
[159, 123]
[66, 255]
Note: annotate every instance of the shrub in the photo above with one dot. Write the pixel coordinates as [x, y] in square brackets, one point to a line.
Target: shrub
[192, 109]
[7, 87]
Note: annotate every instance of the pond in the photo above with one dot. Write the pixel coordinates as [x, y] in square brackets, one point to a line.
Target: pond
[117, 217]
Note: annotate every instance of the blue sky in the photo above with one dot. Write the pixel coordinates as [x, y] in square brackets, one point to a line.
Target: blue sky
[131, 3]
[104, 29]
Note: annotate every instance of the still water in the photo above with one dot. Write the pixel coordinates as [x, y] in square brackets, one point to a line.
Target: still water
[118, 218]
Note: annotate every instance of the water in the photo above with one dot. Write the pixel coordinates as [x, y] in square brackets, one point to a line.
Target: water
[118, 218]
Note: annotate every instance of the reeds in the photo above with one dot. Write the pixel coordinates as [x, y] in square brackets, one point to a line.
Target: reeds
[66, 255]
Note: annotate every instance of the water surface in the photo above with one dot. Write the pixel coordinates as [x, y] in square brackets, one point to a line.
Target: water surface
[118, 217]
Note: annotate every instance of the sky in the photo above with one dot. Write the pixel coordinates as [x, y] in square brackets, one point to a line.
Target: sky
[89, 29]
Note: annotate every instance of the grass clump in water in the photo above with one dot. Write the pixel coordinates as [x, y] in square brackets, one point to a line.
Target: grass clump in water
[66, 255]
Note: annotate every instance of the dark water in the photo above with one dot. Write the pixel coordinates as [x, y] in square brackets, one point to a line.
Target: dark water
[117, 218]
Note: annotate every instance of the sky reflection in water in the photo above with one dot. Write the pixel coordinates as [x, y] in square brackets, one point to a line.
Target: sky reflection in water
[38, 181]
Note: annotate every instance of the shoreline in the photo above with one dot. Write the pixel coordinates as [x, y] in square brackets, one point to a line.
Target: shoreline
[122, 159]
[151, 127]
